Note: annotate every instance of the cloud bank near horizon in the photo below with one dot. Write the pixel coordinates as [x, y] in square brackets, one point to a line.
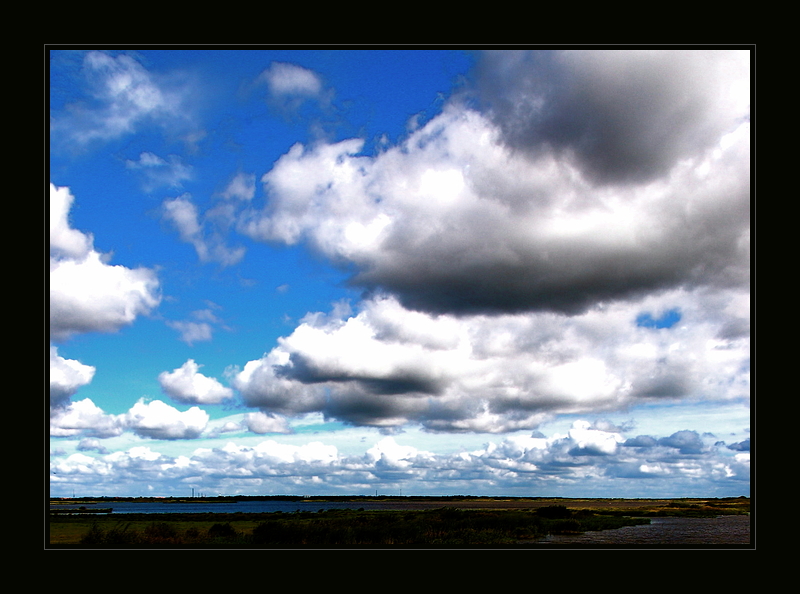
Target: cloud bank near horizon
[586, 454]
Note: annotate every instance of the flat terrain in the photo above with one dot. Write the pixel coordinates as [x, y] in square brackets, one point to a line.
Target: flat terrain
[404, 521]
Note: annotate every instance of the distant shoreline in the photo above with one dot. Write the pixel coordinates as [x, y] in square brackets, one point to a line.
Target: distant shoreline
[461, 501]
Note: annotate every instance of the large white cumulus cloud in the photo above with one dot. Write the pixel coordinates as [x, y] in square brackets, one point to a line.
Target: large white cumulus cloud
[86, 293]
[509, 246]
[459, 219]
[387, 366]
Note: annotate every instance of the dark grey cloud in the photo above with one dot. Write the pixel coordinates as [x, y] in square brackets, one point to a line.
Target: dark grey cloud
[641, 441]
[622, 115]
[400, 381]
[741, 446]
[687, 442]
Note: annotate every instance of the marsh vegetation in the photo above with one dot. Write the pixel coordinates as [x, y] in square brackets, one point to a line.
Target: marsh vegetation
[503, 524]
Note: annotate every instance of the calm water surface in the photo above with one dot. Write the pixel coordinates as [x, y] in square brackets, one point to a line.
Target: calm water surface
[723, 530]
[248, 507]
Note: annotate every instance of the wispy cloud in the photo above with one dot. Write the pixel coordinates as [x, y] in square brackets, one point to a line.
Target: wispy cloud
[209, 244]
[124, 96]
[157, 172]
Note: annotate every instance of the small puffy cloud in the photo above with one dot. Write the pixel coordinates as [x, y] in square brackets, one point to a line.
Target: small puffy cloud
[158, 420]
[388, 454]
[290, 79]
[292, 88]
[593, 442]
[186, 385]
[66, 377]
[84, 418]
[91, 445]
[86, 293]
[259, 422]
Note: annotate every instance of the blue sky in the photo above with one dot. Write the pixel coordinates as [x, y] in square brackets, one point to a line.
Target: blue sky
[436, 272]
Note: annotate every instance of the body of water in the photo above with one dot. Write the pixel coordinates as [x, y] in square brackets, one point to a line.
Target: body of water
[722, 530]
[248, 507]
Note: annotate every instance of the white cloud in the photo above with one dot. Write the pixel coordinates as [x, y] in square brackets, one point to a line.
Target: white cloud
[387, 366]
[192, 332]
[200, 329]
[259, 422]
[158, 420]
[186, 385]
[290, 79]
[157, 172]
[242, 187]
[210, 246]
[84, 418]
[66, 377]
[92, 444]
[154, 419]
[64, 240]
[458, 219]
[123, 97]
[508, 255]
[86, 293]
[587, 458]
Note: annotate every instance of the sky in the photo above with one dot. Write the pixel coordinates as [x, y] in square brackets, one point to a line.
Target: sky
[407, 272]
